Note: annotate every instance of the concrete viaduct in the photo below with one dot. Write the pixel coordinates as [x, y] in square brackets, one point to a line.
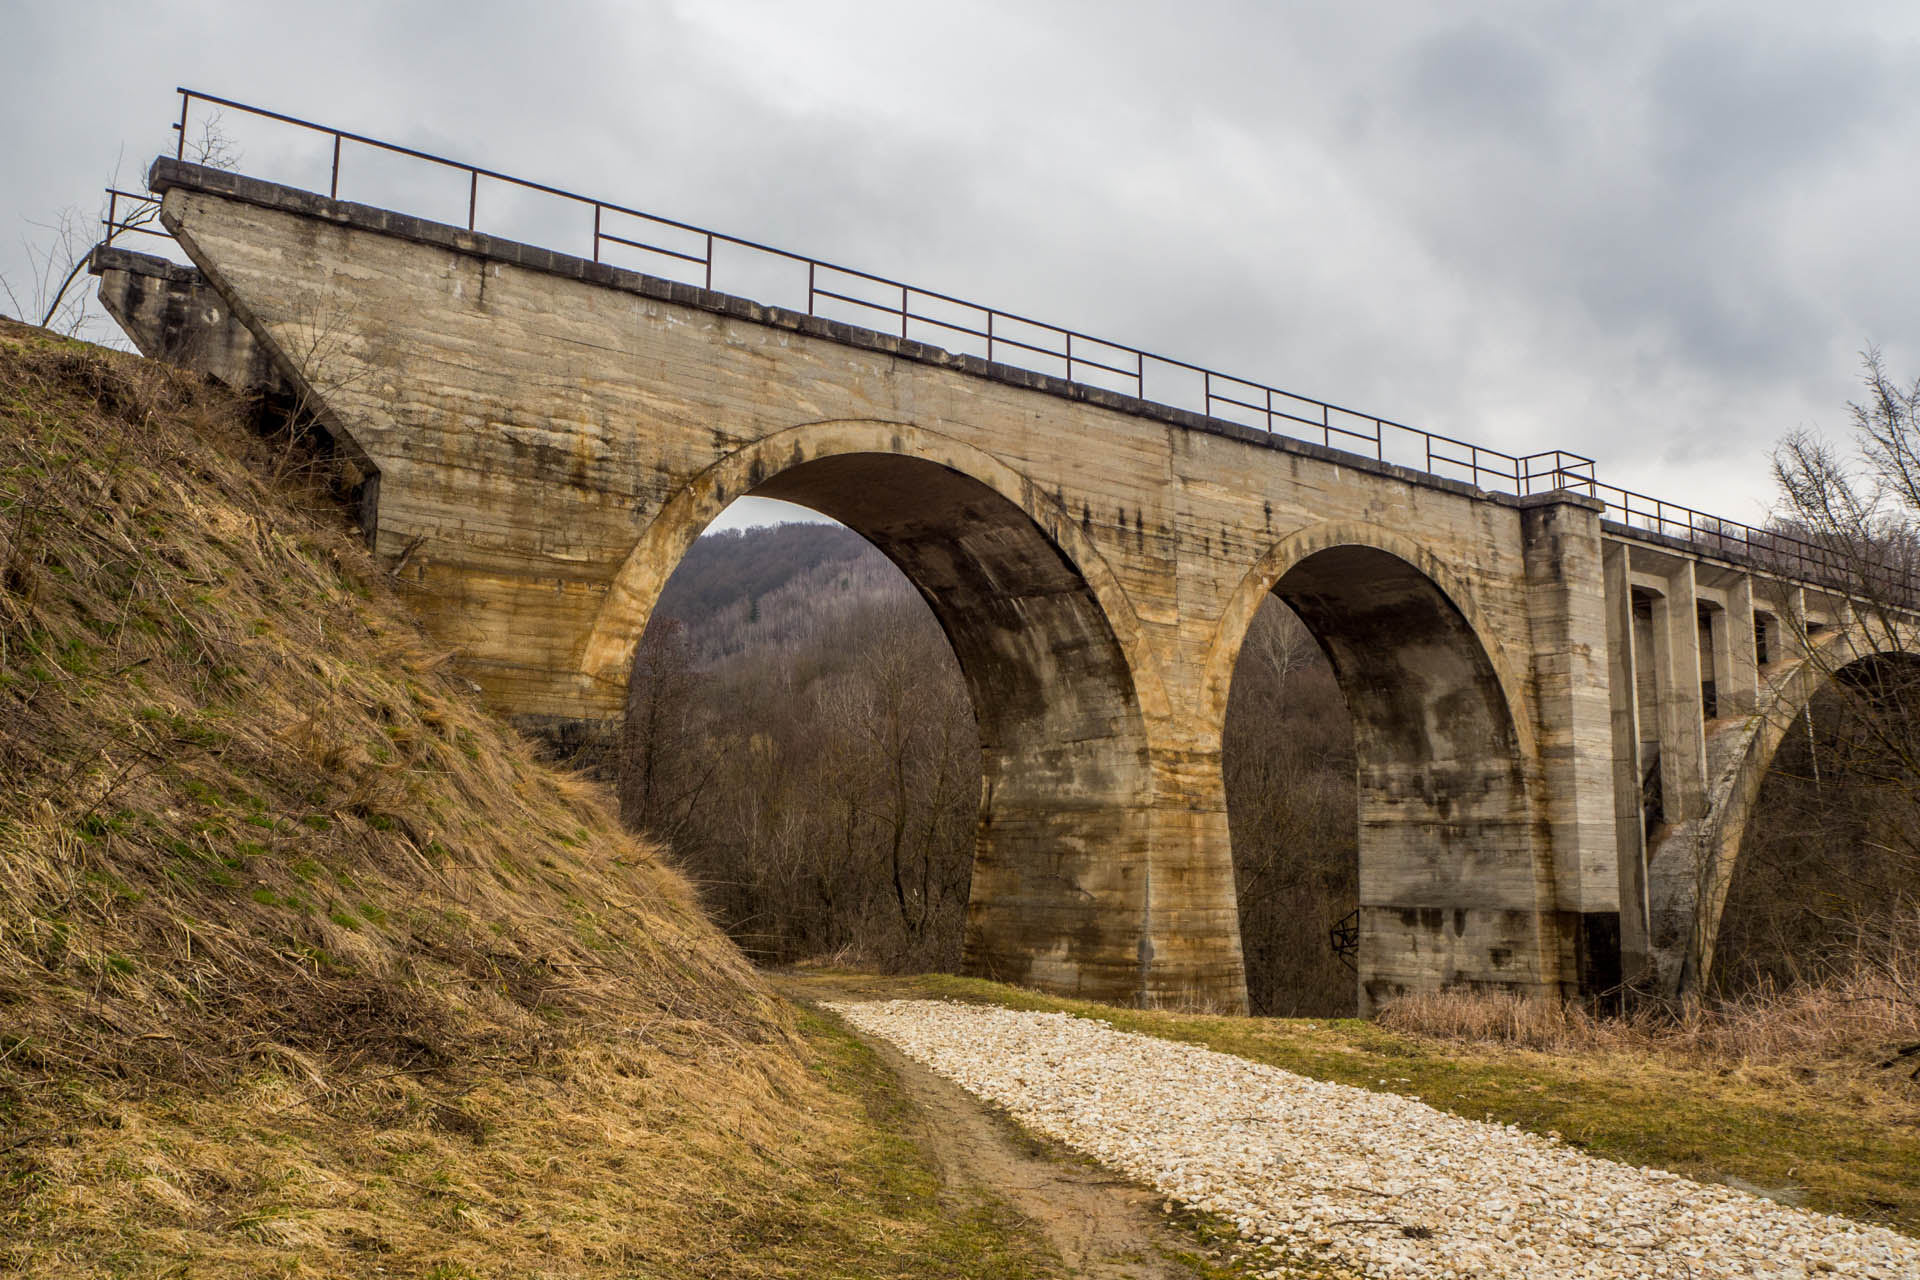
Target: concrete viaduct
[541, 437]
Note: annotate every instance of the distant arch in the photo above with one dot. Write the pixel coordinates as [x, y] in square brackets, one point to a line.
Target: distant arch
[1262, 577]
[1691, 870]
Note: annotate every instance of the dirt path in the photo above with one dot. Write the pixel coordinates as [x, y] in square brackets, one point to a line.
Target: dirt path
[1105, 1228]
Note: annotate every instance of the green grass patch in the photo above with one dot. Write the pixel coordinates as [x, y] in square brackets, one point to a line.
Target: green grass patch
[891, 1215]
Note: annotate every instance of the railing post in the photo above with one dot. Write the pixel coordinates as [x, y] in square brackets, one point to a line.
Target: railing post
[903, 312]
[709, 261]
[333, 182]
[473, 196]
[989, 335]
[180, 147]
[812, 293]
[596, 231]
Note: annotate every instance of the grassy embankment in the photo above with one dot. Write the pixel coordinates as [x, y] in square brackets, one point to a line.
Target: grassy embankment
[1827, 1130]
[307, 967]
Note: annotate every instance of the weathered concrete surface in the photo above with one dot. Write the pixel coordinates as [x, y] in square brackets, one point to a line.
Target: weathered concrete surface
[172, 315]
[551, 434]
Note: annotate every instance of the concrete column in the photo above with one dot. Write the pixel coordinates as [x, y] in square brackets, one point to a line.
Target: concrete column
[1738, 671]
[1793, 622]
[1683, 734]
[1629, 825]
[1716, 654]
[1567, 602]
[1189, 952]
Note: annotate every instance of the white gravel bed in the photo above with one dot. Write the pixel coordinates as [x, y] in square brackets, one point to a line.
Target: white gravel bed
[1340, 1175]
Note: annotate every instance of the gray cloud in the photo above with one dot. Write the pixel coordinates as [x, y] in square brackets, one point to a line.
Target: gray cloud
[1653, 234]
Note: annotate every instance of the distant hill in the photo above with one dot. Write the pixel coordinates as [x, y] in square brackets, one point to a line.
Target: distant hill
[776, 588]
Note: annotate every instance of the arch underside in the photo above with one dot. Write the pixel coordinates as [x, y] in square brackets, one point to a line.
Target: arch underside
[1450, 883]
[1060, 881]
[1691, 869]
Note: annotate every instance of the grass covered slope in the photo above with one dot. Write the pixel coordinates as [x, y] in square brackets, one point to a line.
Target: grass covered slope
[307, 967]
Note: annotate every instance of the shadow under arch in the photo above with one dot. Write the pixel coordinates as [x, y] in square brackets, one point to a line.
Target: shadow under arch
[1452, 883]
[1691, 868]
[1041, 631]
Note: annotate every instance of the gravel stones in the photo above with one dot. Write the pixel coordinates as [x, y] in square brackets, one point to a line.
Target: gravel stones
[1373, 1183]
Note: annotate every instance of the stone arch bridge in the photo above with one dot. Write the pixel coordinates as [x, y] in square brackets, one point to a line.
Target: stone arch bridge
[1559, 718]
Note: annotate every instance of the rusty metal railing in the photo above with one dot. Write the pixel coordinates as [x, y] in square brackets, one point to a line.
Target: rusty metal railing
[894, 306]
[834, 291]
[141, 216]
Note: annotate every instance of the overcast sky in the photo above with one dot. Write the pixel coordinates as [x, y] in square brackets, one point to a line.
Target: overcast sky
[1658, 234]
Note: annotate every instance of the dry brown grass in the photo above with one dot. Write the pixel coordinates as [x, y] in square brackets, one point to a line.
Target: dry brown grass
[1855, 1020]
[247, 805]
[307, 967]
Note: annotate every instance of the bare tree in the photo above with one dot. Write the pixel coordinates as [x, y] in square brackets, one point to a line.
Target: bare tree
[1830, 873]
[58, 249]
[661, 776]
[56, 255]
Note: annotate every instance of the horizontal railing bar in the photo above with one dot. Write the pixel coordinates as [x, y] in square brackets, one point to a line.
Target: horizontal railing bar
[889, 308]
[140, 227]
[1083, 362]
[1345, 431]
[948, 324]
[1001, 340]
[1215, 396]
[1315, 423]
[653, 248]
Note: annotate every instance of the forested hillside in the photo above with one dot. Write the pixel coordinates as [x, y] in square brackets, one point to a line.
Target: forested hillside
[774, 589]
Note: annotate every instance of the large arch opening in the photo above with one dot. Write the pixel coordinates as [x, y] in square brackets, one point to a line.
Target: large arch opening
[1445, 880]
[1287, 756]
[1825, 886]
[1059, 786]
[798, 732]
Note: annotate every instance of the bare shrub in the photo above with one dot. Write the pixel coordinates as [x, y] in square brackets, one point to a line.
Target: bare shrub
[1865, 1017]
[1500, 1017]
